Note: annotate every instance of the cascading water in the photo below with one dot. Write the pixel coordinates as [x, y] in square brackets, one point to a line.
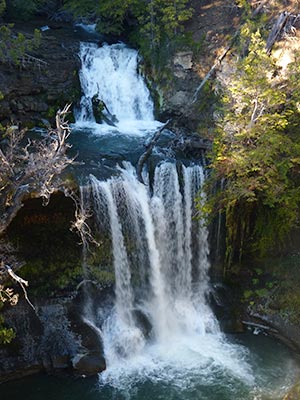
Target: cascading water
[160, 337]
[110, 74]
[182, 335]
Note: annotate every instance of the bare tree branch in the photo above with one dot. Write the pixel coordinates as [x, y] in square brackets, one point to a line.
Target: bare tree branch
[32, 168]
[80, 225]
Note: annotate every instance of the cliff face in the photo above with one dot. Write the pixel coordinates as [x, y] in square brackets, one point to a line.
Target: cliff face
[207, 35]
[45, 84]
[53, 337]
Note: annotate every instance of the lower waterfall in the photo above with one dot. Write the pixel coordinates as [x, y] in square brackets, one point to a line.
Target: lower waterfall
[161, 325]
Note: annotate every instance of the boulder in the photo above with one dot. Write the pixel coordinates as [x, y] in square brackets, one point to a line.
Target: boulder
[183, 59]
[89, 363]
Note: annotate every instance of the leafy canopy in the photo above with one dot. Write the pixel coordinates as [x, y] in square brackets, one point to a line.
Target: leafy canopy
[257, 153]
[154, 20]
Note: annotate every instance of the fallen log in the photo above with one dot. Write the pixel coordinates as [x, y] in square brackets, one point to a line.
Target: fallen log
[149, 147]
[213, 68]
[210, 72]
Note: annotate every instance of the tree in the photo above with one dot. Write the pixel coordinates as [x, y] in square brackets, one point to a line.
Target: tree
[256, 156]
[32, 167]
[14, 48]
[29, 168]
[154, 20]
[163, 20]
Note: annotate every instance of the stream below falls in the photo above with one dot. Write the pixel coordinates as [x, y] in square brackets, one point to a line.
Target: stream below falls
[182, 376]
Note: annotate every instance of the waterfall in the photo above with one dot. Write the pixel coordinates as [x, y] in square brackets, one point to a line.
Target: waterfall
[168, 241]
[161, 326]
[110, 74]
[164, 275]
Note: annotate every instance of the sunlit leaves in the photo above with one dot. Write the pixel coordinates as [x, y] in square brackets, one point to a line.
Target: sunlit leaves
[257, 152]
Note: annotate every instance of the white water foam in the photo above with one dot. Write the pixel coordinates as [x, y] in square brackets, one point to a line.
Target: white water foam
[184, 343]
[110, 74]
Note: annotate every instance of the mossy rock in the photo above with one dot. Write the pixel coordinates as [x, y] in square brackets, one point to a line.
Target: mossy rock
[51, 252]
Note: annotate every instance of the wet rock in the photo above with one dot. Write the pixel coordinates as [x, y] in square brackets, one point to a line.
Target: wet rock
[278, 327]
[190, 144]
[226, 308]
[61, 362]
[88, 364]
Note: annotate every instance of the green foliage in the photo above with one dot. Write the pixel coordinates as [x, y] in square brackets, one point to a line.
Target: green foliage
[283, 299]
[163, 19]
[6, 334]
[20, 9]
[247, 294]
[151, 23]
[255, 154]
[13, 48]
[24, 10]
[52, 277]
[2, 6]
[255, 281]
[6, 295]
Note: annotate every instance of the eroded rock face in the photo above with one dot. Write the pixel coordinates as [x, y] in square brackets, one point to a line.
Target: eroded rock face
[183, 60]
[41, 88]
[49, 338]
[176, 92]
[44, 340]
[53, 338]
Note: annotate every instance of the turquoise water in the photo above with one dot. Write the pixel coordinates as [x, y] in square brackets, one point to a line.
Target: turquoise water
[99, 153]
[273, 369]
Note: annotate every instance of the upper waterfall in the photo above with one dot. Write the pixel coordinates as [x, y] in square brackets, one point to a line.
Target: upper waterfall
[109, 74]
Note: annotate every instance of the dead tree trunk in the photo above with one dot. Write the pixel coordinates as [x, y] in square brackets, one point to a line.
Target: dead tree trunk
[210, 73]
[277, 29]
[149, 147]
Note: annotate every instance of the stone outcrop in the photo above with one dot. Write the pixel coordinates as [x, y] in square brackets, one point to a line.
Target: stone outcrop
[40, 88]
[53, 339]
[88, 363]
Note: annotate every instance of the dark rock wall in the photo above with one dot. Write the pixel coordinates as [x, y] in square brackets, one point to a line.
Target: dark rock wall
[39, 89]
[54, 338]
